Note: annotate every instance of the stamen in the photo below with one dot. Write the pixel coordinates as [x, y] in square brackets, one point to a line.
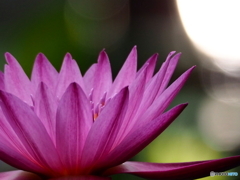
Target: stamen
[90, 96]
[95, 116]
[103, 99]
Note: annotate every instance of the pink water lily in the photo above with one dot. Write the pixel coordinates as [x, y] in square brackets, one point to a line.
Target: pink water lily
[68, 126]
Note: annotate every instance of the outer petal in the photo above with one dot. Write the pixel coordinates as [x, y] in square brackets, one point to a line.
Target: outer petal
[150, 93]
[74, 120]
[69, 73]
[13, 151]
[170, 70]
[152, 88]
[45, 107]
[136, 90]
[83, 178]
[156, 84]
[127, 73]
[136, 140]
[18, 175]
[99, 77]
[162, 102]
[105, 129]
[17, 158]
[30, 131]
[16, 81]
[176, 171]
[43, 71]
[150, 63]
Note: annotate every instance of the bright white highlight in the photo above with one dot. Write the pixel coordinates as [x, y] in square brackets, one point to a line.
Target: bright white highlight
[214, 27]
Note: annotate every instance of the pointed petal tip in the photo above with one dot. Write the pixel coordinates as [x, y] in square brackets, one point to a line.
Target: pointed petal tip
[7, 54]
[171, 53]
[9, 57]
[193, 67]
[102, 56]
[182, 106]
[154, 56]
[73, 84]
[134, 49]
[185, 104]
[124, 90]
[190, 70]
[68, 56]
[40, 55]
[173, 57]
[178, 54]
[104, 49]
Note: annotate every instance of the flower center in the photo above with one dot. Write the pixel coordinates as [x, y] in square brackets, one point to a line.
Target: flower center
[97, 108]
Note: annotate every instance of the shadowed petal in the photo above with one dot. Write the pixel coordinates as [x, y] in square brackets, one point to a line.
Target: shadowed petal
[99, 77]
[104, 130]
[176, 171]
[69, 73]
[29, 130]
[43, 71]
[127, 73]
[18, 175]
[82, 178]
[16, 81]
[136, 140]
[74, 120]
[45, 107]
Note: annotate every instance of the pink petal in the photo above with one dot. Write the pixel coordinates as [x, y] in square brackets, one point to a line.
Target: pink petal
[156, 84]
[104, 130]
[99, 77]
[16, 81]
[45, 107]
[162, 102]
[136, 140]
[69, 73]
[170, 69]
[13, 151]
[176, 171]
[82, 178]
[74, 120]
[150, 92]
[2, 85]
[18, 175]
[150, 63]
[127, 73]
[18, 158]
[30, 131]
[136, 90]
[43, 71]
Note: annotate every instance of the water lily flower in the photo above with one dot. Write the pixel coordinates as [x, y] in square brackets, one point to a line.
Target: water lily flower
[65, 126]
